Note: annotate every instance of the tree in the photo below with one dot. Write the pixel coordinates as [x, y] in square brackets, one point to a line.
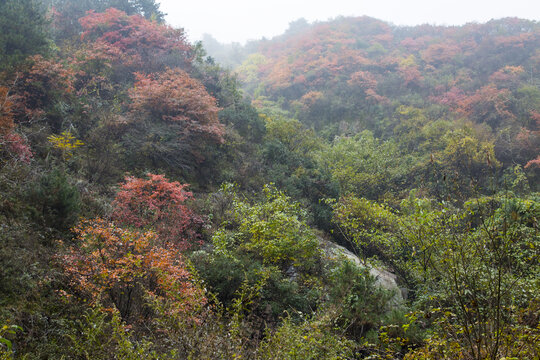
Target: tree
[6, 111]
[364, 164]
[10, 141]
[145, 45]
[470, 269]
[126, 270]
[171, 120]
[65, 13]
[42, 87]
[488, 104]
[365, 225]
[471, 160]
[484, 266]
[274, 229]
[157, 204]
[23, 31]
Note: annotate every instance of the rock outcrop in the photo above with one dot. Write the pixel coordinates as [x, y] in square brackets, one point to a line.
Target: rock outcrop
[383, 278]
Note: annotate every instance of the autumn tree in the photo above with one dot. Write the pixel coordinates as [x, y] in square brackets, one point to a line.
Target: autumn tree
[41, 87]
[145, 45]
[65, 13]
[488, 104]
[6, 111]
[125, 271]
[12, 143]
[171, 120]
[157, 204]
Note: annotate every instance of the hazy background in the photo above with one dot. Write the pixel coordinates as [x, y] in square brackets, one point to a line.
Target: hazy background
[241, 20]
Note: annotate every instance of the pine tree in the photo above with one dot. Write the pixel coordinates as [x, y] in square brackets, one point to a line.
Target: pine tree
[23, 31]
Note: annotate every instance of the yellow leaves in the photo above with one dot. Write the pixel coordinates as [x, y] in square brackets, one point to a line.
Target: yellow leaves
[408, 61]
[66, 142]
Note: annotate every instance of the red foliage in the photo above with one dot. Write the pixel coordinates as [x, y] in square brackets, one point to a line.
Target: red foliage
[515, 41]
[125, 269]
[410, 75]
[17, 147]
[376, 98]
[319, 56]
[416, 44]
[533, 163]
[93, 65]
[487, 104]
[157, 204]
[43, 84]
[508, 76]
[10, 141]
[438, 53]
[535, 116]
[451, 98]
[141, 41]
[363, 79]
[174, 96]
[530, 139]
[6, 111]
[50, 74]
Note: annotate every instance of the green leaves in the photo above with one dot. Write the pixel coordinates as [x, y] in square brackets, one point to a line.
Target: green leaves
[7, 330]
[363, 165]
[274, 229]
[365, 223]
[22, 31]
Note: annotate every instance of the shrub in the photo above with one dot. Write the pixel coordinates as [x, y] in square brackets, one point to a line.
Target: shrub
[125, 270]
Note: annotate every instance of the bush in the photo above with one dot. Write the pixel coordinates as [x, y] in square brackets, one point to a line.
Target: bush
[273, 229]
[56, 201]
[307, 340]
[360, 303]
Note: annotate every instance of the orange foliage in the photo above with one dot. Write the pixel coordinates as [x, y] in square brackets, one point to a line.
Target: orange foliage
[311, 98]
[363, 79]
[44, 83]
[487, 103]
[159, 204]
[533, 163]
[507, 76]
[141, 41]
[437, 54]
[174, 96]
[6, 111]
[93, 63]
[126, 270]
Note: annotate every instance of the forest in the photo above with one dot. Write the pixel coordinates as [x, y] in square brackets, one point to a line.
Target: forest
[350, 189]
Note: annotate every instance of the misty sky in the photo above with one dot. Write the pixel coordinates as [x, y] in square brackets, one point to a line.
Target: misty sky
[241, 20]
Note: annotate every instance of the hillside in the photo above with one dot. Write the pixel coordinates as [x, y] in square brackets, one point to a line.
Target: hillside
[361, 73]
[351, 190]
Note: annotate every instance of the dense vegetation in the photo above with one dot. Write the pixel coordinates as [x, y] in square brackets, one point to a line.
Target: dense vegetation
[156, 205]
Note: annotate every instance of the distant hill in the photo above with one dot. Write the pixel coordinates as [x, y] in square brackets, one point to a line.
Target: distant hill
[354, 73]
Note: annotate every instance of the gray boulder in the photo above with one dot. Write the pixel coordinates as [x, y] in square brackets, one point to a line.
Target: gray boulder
[383, 278]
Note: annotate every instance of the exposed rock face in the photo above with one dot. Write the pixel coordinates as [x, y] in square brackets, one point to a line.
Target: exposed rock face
[383, 278]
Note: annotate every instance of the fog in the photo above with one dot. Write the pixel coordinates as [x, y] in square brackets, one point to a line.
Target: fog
[241, 20]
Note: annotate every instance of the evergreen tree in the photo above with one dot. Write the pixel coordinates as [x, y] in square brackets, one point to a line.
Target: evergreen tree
[22, 31]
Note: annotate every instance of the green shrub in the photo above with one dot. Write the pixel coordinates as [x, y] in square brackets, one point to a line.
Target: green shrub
[307, 340]
[273, 229]
[56, 201]
[360, 303]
